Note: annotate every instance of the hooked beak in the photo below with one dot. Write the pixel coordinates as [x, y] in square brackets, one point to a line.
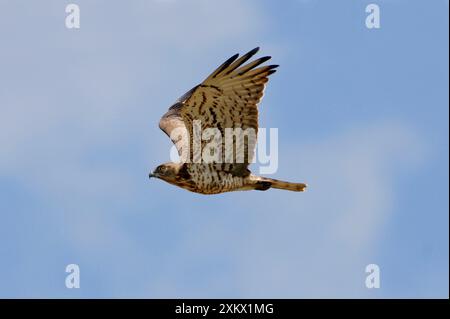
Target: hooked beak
[151, 175]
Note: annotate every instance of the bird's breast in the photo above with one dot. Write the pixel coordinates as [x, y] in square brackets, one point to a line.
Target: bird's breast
[208, 180]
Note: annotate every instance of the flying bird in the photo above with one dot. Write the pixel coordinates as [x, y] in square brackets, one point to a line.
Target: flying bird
[227, 99]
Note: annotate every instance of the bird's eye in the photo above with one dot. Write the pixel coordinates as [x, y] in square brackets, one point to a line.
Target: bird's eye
[162, 169]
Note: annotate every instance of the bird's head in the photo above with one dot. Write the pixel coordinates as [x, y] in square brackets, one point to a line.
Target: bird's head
[167, 172]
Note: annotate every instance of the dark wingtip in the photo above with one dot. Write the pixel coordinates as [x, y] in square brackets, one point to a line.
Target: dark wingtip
[264, 59]
[225, 64]
[230, 60]
[234, 57]
[252, 52]
[243, 59]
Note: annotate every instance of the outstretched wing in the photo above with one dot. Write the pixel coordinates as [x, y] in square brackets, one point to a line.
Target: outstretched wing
[228, 98]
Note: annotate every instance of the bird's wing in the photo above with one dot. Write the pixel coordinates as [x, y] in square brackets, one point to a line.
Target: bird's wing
[227, 98]
[173, 125]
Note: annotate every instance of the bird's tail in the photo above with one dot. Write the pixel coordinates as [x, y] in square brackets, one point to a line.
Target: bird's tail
[264, 183]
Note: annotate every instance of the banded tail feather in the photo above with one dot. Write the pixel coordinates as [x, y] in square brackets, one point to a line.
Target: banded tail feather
[264, 183]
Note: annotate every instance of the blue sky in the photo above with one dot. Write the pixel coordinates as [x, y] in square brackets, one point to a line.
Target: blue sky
[362, 118]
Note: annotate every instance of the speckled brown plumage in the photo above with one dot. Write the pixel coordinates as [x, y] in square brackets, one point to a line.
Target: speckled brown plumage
[228, 98]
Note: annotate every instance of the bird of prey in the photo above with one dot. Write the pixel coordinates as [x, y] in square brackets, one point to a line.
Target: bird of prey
[226, 99]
